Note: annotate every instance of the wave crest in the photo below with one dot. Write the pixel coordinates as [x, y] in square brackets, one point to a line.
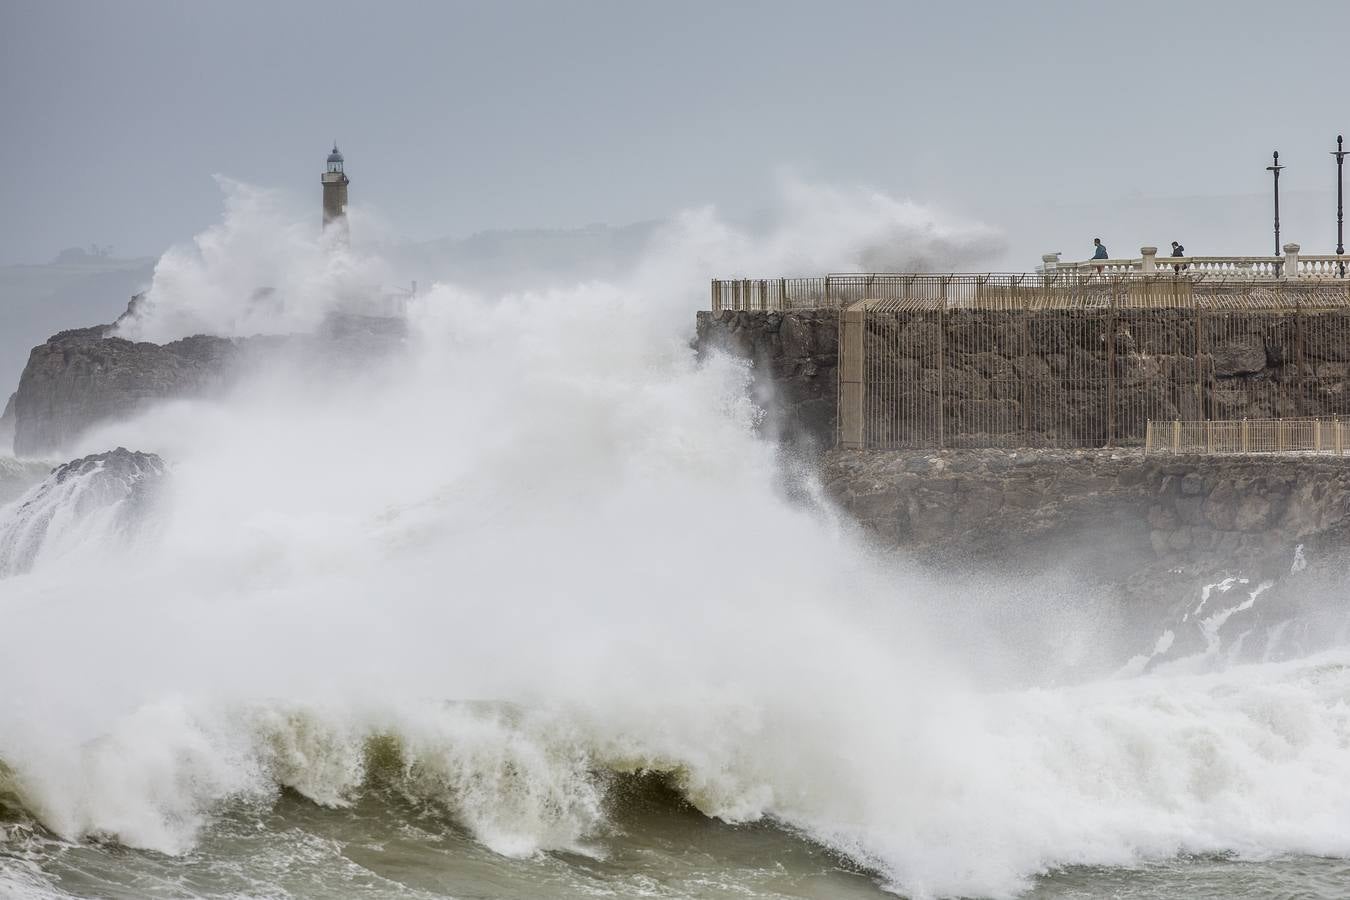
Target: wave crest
[1004, 788]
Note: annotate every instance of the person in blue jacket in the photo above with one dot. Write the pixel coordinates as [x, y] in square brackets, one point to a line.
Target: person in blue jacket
[1100, 252]
[1178, 250]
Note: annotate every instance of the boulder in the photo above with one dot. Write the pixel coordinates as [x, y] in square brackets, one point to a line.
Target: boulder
[119, 487]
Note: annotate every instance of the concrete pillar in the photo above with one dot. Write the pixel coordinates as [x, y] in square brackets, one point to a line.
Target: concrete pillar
[1290, 260]
[1149, 255]
[851, 385]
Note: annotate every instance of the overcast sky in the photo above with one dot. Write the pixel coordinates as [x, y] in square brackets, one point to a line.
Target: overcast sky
[462, 116]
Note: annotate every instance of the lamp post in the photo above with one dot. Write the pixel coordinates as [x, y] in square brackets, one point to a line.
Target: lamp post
[1275, 168]
[1339, 153]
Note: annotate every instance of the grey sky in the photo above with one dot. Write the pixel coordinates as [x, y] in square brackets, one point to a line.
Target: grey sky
[459, 116]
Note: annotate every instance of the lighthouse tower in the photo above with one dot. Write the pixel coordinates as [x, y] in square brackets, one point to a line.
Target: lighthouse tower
[334, 190]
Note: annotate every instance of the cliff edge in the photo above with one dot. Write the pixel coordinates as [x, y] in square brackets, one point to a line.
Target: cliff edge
[80, 378]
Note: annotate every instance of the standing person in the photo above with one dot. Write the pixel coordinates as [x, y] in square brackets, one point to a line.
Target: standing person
[1178, 251]
[1100, 252]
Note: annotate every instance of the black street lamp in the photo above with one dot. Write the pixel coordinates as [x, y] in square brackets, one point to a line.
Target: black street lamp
[1339, 153]
[1276, 167]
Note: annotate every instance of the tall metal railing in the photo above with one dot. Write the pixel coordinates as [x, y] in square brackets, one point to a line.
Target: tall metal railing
[1045, 360]
[1062, 288]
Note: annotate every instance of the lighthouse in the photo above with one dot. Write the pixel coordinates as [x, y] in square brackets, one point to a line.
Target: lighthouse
[334, 190]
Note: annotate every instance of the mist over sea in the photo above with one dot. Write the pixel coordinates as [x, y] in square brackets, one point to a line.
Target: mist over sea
[530, 609]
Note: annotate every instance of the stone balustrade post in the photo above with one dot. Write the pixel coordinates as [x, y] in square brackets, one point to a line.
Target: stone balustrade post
[1149, 255]
[1291, 260]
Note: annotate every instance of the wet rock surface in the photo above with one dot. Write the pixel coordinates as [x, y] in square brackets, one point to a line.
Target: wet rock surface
[79, 379]
[1240, 555]
[95, 500]
[795, 357]
[1179, 510]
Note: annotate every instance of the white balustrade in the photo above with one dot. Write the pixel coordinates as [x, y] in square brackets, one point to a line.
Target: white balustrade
[1292, 264]
[1323, 266]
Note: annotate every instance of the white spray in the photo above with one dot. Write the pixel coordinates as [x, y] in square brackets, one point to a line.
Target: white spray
[548, 506]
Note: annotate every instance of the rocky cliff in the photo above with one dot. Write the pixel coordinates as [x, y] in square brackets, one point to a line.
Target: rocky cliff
[81, 378]
[1180, 512]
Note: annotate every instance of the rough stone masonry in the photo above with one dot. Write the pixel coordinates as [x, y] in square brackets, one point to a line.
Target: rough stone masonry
[1042, 377]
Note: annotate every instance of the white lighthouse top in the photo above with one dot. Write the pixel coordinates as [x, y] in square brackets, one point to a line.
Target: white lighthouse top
[335, 159]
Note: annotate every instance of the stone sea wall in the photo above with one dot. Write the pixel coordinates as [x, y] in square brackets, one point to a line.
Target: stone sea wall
[1143, 532]
[795, 359]
[1043, 377]
[1094, 377]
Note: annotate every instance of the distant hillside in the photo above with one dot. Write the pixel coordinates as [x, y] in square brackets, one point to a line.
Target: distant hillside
[76, 289]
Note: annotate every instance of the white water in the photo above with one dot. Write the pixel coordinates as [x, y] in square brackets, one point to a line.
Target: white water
[549, 503]
[78, 509]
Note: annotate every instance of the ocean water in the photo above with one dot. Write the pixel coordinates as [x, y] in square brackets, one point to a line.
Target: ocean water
[385, 848]
[531, 609]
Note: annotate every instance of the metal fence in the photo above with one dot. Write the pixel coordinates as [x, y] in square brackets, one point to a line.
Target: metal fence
[975, 361]
[1069, 288]
[1248, 436]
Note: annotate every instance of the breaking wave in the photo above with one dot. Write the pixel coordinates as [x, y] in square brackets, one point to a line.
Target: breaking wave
[992, 789]
[542, 553]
